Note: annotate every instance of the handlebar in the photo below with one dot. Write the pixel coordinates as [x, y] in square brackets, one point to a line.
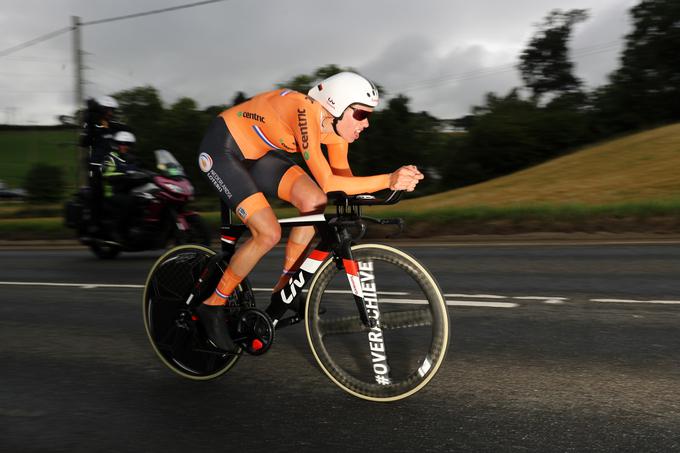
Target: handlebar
[342, 199]
[349, 209]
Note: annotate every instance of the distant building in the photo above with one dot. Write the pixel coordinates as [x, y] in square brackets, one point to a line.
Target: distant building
[456, 125]
[6, 192]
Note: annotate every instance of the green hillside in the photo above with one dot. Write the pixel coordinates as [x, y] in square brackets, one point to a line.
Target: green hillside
[640, 168]
[21, 149]
[630, 184]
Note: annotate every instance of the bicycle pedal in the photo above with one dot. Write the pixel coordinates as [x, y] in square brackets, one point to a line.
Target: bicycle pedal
[256, 331]
[256, 345]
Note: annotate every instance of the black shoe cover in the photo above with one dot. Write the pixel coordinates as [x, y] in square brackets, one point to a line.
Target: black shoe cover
[214, 321]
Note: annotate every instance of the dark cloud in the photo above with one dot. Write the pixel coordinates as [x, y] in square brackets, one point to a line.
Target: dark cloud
[445, 55]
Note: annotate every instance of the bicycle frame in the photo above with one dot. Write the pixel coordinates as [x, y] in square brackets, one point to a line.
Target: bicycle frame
[375, 371]
[335, 240]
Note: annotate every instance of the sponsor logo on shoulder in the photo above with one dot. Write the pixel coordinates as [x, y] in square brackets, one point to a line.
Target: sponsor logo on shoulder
[302, 124]
[242, 213]
[251, 116]
[205, 162]
[283, 143]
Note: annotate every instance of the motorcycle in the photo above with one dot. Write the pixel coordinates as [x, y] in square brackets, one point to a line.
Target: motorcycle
[160, 216]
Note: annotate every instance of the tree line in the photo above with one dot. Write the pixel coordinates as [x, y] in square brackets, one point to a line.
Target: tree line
[550, 114]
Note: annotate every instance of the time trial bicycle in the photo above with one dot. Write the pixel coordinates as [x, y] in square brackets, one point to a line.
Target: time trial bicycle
[376, 319]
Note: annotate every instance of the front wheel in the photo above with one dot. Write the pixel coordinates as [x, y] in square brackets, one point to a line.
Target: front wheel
[407, 346]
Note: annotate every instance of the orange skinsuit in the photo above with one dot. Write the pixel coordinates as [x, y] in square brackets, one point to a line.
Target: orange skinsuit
[290, 121]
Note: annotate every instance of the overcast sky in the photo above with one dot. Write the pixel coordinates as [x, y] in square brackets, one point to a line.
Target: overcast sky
[443, 54]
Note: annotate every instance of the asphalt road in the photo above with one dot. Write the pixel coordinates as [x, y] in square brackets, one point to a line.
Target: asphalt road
[554, 348]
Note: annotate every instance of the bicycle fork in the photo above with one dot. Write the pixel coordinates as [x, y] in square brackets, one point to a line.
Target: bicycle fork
[361, 278]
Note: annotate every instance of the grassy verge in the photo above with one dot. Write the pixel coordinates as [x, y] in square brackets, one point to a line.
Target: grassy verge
[639, 217]
[20, 150]
[39, 228]
[546, 212]
[656, 217]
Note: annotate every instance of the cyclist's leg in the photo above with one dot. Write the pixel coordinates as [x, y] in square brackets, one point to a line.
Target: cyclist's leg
[278, 176]
[308, 198]
[265, 234]
[223, 164]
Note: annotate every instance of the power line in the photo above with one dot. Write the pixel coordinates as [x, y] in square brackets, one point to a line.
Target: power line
[35, 41]
[33, 74]
[37, 91]
[127, 79]
[36, 59]
[61, 31]
[148, 13]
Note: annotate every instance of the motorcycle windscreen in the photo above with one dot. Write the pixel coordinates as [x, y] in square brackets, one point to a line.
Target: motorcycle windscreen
[167, 164]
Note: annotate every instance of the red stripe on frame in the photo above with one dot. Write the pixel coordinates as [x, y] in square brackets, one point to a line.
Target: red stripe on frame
[351, 267]
[318, 255]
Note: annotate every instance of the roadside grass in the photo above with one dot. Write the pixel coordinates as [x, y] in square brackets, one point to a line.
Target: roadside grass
[640, 168]
[20, 150]
[660, 216]
[35, 228]
[626, 185]
[546, 212]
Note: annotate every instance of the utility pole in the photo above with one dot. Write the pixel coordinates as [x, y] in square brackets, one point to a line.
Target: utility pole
[77, 62]
[78, 72]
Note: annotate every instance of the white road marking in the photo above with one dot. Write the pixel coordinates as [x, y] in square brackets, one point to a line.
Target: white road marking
[73, 285]
[337, 291]
[550, 300]
[539, 298]
[555, 300]
[456, 303]
[481, 296]
[464, 303]
[632, 301]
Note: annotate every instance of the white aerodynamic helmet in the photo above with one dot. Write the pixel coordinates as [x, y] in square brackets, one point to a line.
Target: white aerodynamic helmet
[343, 89]
[107, 101]
[124, 137]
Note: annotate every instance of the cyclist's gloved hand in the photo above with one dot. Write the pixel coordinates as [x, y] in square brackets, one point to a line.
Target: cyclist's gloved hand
[406, 178]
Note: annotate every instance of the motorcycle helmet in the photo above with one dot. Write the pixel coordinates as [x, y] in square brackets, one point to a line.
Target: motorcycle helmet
[123, 141]
[124, 137]
[107, 102]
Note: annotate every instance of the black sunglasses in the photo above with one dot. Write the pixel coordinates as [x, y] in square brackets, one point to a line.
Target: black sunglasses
[359, 114]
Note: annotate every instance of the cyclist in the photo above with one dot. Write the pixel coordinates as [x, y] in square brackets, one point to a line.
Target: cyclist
[120, 174]
[243, 156]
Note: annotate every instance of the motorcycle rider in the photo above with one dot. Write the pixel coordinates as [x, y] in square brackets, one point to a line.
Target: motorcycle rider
[99, 127]
[120, 173]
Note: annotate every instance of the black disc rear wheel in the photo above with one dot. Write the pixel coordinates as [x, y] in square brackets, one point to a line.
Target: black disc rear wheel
[173, 330]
